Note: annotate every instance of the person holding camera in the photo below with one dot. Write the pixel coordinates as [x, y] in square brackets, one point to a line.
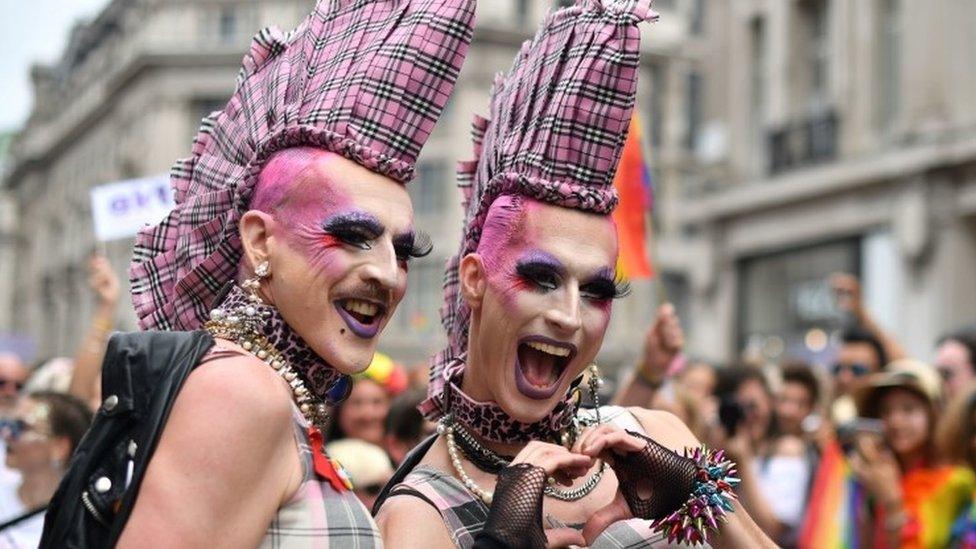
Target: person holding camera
[775, 467]
[913, 495]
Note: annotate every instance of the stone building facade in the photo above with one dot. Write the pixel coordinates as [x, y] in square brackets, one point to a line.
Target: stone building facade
[130, 89]
[837, 135]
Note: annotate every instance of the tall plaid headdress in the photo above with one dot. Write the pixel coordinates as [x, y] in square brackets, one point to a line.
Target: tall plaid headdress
[366, 79]
[559, 120]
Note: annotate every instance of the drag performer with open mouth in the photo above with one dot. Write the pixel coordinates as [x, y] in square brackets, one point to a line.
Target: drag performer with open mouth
[528, 301]
[283, 260]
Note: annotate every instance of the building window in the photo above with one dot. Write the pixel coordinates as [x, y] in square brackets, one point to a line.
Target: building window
[522, 15]
[657, 103]
[693, 109]
[785, 296]
[757, 78]
[430, 189]
[815, 51]
[887, 62]
[227, 25]
[696, 21]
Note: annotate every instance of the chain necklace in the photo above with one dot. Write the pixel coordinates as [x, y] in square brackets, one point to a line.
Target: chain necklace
[241, 328]
[496, 463]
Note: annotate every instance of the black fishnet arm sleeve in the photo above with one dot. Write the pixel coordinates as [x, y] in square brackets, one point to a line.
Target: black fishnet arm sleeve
[515, 516]
[655, 481]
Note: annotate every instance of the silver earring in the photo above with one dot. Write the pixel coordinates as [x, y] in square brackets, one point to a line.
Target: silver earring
[594, 384]
[262, 271]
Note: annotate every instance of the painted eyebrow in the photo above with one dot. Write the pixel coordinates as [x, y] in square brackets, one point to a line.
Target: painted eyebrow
[356, 217]
[542, 259]
[608, 274]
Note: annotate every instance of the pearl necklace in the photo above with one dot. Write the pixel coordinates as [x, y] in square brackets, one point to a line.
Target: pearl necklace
[447, 428]
[243, 332]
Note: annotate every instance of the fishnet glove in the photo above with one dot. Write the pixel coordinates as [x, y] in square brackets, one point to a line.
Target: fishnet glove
[515, 516]
[665, 477]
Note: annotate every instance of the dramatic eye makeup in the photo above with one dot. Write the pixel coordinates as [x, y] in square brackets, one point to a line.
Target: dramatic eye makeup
[546, 273]
[605, 286]
[412, 245]
[540, 270]
[357, 229]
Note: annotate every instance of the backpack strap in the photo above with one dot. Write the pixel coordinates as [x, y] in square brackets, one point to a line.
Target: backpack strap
[412, 459]
[22, 517]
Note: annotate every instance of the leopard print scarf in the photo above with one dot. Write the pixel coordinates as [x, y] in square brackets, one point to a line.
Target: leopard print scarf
[320, 377]
[490, 422]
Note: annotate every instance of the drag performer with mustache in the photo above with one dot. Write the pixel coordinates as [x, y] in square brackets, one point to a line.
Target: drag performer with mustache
[528, 301]
[282, 262]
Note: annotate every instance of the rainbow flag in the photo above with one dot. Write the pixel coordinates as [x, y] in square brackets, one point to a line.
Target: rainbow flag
[933, 498]
[834, 503]
[634, 186]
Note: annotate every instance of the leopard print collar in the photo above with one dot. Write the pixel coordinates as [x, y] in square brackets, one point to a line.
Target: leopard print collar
[322, 379]
[490, 422]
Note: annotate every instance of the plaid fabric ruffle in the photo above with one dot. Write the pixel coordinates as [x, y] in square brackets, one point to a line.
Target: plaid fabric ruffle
[363, 78]
[559, 120]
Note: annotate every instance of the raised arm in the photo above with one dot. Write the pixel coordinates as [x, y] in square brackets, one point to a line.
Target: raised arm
[662, 344]
[91, 351]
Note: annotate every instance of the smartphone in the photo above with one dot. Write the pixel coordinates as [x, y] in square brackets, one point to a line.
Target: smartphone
[849, 431]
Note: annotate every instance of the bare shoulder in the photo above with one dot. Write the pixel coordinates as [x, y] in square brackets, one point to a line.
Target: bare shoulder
[408, 521]
[665, 428]
[243, 388]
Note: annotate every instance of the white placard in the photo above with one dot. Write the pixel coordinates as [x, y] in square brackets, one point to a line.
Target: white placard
[120, 209]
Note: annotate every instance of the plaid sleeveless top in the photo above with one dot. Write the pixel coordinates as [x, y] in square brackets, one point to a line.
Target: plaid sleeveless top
[465, 514]
[317, 515]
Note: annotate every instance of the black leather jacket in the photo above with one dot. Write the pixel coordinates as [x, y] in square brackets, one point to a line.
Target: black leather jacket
[141, 376]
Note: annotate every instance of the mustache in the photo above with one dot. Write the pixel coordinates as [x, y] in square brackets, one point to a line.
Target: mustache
[368, 291]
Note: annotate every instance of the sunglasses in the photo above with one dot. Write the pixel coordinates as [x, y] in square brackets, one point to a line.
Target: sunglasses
[946, 373]
[14, 428]
[858, 369]
[17, 385]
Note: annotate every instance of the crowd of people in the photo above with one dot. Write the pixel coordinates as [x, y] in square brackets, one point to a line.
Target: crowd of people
[874, 449]
[894, 435]
[253, 408]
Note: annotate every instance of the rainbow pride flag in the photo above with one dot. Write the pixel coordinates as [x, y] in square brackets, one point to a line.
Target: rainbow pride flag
[832, 509]
[634, 186]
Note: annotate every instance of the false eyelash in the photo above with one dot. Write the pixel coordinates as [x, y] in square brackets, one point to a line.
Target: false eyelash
[421, 246]
[621, 287]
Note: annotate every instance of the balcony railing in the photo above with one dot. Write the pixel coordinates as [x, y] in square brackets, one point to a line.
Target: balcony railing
[806, 142]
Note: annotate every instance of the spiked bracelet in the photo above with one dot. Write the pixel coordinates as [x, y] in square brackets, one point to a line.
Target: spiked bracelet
[707, 504]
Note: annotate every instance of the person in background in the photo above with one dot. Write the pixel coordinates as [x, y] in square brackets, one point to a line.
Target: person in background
[13, 377]
[797, 398]
[91, 351]
[405, 425]
[41, 436]
[915, 494]
[955, 440]
[860, 355]
[955, 359]
[849, 300]
[775, 467]
[367, 465]
[363, 414]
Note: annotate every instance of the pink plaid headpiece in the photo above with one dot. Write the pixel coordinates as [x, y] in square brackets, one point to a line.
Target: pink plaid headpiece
[559, 120]
[366, 79]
